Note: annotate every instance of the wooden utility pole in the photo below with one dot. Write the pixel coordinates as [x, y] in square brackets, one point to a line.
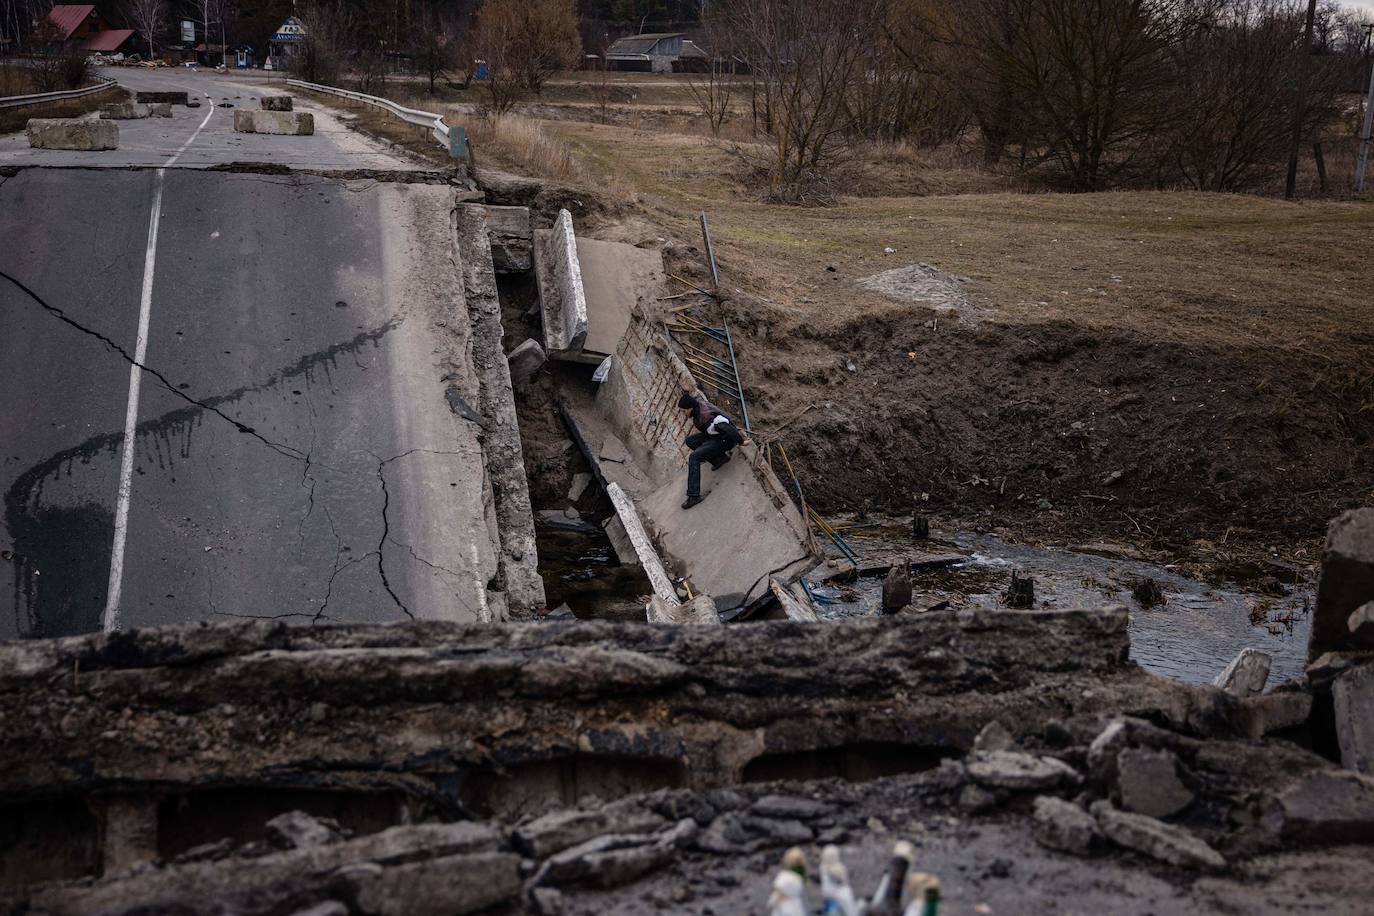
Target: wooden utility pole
[1300, 103]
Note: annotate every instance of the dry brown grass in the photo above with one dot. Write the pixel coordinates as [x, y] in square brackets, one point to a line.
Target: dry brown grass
[1228, 269]
[522, 145]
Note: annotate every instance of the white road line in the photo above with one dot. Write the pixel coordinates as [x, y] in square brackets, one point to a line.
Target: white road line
[110, 618]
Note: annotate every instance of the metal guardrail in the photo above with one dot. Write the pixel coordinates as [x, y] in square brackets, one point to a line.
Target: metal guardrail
[38, 98]
[414, 116]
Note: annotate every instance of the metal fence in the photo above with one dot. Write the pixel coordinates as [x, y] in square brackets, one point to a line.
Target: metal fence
[39, 98]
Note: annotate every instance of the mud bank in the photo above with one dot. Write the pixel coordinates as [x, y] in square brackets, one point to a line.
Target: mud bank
[1054, 429]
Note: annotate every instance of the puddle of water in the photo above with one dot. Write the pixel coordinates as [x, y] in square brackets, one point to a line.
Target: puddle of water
[582, 570]
[1191, 637]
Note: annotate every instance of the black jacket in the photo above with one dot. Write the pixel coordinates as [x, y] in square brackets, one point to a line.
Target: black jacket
[715, 424]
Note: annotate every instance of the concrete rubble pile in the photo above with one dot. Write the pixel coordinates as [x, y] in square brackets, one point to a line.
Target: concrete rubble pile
[257, 768]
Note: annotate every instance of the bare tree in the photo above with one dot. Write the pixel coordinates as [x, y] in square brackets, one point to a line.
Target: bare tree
[1087, 78]
[714, 90]
[149, 17]
[328, 28]
[805, 58]
[437, 36]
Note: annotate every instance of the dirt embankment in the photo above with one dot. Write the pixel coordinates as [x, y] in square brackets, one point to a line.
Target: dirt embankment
[1055, 429]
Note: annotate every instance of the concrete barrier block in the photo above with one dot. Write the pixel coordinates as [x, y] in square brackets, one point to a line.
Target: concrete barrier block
[160, 110]
[125, 111]
[276, 103]
[288, 123]
[72, 133]
[171, 98]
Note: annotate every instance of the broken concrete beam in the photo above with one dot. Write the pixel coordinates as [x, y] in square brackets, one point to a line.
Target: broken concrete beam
[525, 360]
[174, 98]
[277, 103]
[1352, 695]
[1155, 838]
[1328, 807]
[1347, 581]
[1062, 825]
[693, 701]
[399, 870]
[1246, 674]
[698, 609]
[560, 830]
[288, 123]
[562, 297]
[1271, 712]
[125, 111]
[1019, 770]
[72, 133]
[1149, 783]
[512, 239]
[519, 558]
[644, 548]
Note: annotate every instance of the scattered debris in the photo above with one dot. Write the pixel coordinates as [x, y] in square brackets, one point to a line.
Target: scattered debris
[1021, 592]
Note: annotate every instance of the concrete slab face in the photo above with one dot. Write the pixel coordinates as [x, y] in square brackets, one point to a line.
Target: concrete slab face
[1353, 697]
[731, 543]
[1347, 581]
[512, 238]
[616, 277]
[286, 123]
[276, 103]
[562, 298]
[643, 546]
[171, 96]
[125, 111]
[72, 134]
[525, 360]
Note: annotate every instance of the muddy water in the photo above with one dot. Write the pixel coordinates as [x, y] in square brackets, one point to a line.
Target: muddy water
[580, 569]
[1191, 637]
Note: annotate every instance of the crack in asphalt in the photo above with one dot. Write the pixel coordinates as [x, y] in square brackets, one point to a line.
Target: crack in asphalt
[278, 447]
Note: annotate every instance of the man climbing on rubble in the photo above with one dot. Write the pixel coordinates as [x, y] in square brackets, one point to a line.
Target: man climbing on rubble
[713, 441]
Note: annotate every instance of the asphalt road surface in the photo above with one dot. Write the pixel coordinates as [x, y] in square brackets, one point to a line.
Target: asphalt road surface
[150, 141]
[234, 394]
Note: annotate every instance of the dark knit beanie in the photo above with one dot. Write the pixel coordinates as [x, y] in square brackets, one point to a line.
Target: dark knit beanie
[686, 402]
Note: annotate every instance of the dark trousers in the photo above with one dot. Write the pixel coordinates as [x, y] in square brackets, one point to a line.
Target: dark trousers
[704, 448]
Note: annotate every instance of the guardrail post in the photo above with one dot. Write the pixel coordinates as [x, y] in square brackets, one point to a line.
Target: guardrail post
[458, 143]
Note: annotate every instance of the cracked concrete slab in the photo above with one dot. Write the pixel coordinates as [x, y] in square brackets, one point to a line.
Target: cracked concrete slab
[295, 456]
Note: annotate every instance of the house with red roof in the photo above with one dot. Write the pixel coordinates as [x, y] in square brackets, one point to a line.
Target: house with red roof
[80, 27]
